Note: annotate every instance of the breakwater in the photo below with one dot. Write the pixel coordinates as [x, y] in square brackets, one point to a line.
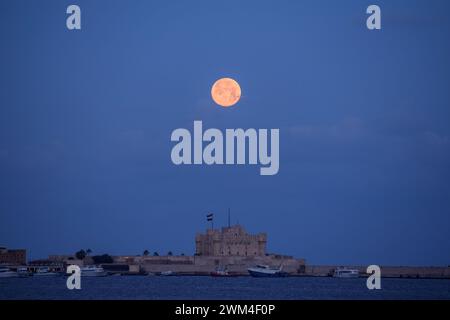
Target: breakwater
[238, 265]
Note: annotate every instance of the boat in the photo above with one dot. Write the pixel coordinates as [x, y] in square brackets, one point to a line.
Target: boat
[44, 272]
[167, 273]
[23, 272]
[263, 271]
[343, 272]
[7, 273]
[93, 271]
[221, 272]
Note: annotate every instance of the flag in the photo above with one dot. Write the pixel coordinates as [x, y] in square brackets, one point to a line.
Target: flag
[209, 217]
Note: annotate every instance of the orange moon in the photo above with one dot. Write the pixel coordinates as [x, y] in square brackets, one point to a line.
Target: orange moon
[226, 92]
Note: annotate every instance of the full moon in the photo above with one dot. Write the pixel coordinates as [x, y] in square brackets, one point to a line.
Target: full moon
[226, 92]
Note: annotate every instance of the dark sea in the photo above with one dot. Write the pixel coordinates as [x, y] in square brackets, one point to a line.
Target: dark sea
[173, 287]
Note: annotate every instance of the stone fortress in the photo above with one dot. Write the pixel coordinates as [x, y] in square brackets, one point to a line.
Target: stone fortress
[230, 241]
[231, 247]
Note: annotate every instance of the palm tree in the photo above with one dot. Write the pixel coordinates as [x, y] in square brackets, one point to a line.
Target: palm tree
[169, 253]
[146, 253]
[155, 254]
[80, 254]
[88, 252]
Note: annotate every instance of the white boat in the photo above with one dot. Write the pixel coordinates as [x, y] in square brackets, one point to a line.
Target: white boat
[23, 272]
[346, 273]
[44, 272]
[93, 271]
[221, 272]
[262, 271]
[167, 273]
[8, 273]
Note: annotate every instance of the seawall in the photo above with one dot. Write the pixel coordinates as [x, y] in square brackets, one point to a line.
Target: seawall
[386, 271]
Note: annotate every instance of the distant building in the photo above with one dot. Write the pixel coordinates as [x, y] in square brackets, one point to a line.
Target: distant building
[53, 266]
[13, 257]
[230, 241]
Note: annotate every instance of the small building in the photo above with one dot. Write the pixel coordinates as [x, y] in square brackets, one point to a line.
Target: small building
[230, 241]
[13, 256]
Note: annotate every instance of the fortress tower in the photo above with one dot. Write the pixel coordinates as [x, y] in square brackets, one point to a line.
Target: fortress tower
[230, 241]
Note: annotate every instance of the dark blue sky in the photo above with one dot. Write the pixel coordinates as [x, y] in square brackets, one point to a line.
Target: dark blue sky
[86, 118]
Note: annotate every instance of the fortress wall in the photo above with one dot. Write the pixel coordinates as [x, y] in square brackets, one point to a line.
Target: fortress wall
[207, 264]
[238, 265]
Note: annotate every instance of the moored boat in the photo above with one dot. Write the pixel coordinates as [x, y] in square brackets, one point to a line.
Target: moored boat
[262, 271]
[23, 272]
[7, 273]
[44, 272]
[221, 272]
[93, 271]
[343, 272]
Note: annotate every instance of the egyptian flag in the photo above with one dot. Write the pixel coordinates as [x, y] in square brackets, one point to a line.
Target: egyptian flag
[209, 217]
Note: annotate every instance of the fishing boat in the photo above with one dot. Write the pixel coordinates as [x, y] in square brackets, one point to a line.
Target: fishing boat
[262, 271]
[93, 271]
[343, 272]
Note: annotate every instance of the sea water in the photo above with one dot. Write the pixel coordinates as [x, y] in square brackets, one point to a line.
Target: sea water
[146, 287]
